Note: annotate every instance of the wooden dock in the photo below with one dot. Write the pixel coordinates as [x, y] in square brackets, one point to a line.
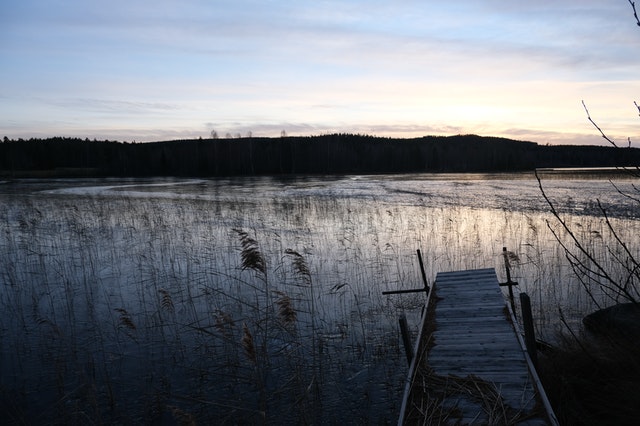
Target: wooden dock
[470, 365]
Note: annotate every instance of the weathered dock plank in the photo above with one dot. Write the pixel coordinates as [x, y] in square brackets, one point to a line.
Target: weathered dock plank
[472, 367]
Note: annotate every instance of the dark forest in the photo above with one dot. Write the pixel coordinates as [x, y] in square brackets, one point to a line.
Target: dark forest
[326, 154]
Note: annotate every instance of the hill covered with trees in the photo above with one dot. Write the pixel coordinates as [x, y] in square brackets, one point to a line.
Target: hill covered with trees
[326, 154]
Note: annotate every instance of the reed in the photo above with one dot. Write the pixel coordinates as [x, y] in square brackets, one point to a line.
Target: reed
[252, 258]
[286, 312]
[300, 266]
[165, 265]
[248, 344]
[166, 301]
[125, 319]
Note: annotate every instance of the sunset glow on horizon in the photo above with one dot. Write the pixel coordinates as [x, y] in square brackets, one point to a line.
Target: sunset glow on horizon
[158, 70]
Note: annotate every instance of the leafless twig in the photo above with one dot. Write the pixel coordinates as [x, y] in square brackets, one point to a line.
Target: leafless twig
[587, 264]
[597, 127]
[635, 14]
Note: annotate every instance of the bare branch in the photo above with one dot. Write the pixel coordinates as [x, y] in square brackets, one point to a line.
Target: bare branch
[594, 267]
[631, 264]
[597, 127]
[621, 280]
[624, 194]
[622, 244]
[635, 14]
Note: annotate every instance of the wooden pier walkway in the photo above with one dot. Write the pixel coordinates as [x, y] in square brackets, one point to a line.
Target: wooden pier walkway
[470, 365]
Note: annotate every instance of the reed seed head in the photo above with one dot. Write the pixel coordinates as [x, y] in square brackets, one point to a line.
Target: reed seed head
[286, 312]
[299, 265]
[251, 255]
[125, 319]
[247, 343]
[166, 301]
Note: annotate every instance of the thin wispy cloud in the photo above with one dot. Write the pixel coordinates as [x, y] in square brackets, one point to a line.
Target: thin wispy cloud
[159, 68]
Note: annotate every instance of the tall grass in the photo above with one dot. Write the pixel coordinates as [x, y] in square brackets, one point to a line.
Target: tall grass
[212, 301]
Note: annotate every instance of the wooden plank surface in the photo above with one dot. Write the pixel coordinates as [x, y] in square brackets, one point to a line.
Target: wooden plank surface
[475, 341]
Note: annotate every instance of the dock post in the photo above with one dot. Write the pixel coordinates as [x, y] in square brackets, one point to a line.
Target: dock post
[509, 283]
[529, 333]
[424, 275]
[406, 339]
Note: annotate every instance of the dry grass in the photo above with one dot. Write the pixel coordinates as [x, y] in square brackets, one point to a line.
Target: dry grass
[442, 398]
[448, 399]
[593, 381]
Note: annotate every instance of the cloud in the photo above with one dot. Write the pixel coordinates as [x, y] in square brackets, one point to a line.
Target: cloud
[113, 106]
[155, 69]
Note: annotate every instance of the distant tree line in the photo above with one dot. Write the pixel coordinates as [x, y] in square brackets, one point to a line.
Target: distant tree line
[326, 154]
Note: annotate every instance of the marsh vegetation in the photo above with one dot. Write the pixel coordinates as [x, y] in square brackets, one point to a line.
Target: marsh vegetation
[252, 300]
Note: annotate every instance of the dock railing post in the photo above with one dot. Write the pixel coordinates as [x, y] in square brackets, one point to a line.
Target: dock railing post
[509, 283]
[527, 324]
[424, 275]
[406, 338]
[425, 287]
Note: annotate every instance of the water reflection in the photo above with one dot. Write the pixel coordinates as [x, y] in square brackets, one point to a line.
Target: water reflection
[136, 291]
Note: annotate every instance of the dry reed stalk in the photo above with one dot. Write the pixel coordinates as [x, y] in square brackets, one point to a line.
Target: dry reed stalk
[251, 255]
[286, 312]
[300, 265]
[224, 322]
[166, 301]
[440, 391]
[247, 344]
[125, 319]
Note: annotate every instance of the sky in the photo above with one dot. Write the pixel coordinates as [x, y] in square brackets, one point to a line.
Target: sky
[142, 70]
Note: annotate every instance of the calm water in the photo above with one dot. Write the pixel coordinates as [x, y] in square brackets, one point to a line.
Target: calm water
[127, 301]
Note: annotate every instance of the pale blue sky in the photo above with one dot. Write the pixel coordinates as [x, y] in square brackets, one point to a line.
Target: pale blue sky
[155, 70]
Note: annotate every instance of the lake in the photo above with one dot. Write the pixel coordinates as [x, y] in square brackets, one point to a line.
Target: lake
[259, 300]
